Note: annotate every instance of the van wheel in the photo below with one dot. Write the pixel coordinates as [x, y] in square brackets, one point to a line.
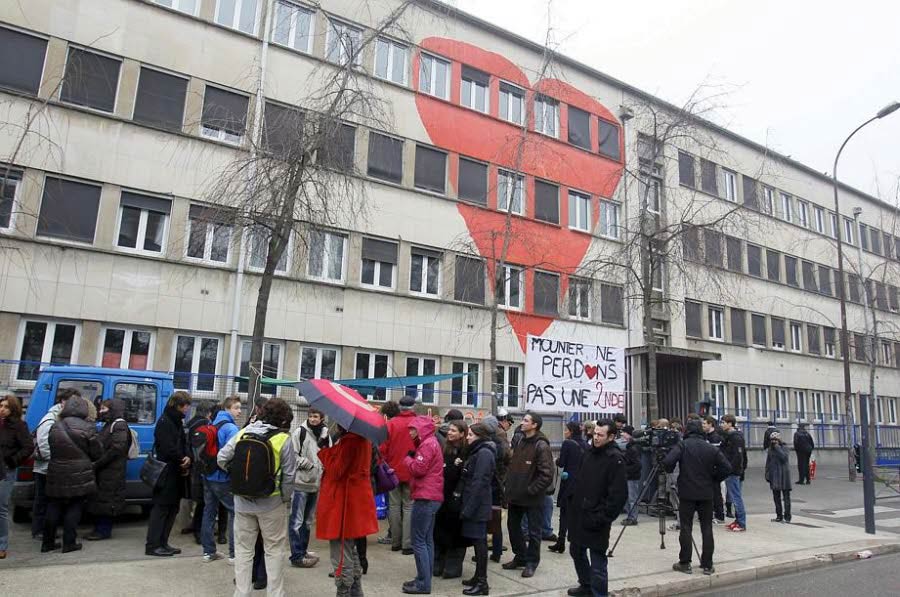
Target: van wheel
[21, 515]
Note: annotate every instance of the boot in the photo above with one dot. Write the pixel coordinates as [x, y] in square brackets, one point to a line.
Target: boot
[364, 564]
[356, 589]
[471, 582]
[479, 588]
[559, 546]
[343, 590]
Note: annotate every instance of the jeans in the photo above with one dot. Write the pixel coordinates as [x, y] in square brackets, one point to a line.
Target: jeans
[733, 485]
[785, 512]
[546, 518]
[67, 511]
[634, 490]
[39, 507]
[215, 493]
[704, 511]
[303, 512]
[530, 553]
[247, 529]
[593, 574]
[400, 516]
[423, 512]
[6, 487]
[103, 526]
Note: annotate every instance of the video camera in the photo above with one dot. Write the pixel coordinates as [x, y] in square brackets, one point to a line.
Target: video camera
[658, 439]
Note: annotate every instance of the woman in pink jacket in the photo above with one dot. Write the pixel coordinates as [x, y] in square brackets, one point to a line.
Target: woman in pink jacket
[426, 469]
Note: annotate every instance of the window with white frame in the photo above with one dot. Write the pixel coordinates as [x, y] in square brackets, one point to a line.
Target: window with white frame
[796, 337]
[833, 231]
[800, 404]
[319, 362]
[769, 197]
[716, 321]
[425, 272]
[818, 406]
[762, 402]
[343, 43]
[379, 263]
[609, 219]
[195, 362]
[887, 353]
[729, 182]
[718, 398]
[650, 189]
[579, 211]
[391, 60]
[781, 403]
[879, 410]
[803, 213]
[373, 365]
[464, 390]
[819, 217]
[186, 6]
[258, 251]
[787, 208]
[293, 25]
[9, 183]
[224, 116]
[834, 403]
[741, 401]
[507, 385]
[126, 349]
[268, 366]
[326, 256]
[45, 342]
[474, 91]
[209, 238]
[580, 299]
[546, 116]
[512, 103]
[848, 231]
[509, 287]
[829, 335]
[238, 14]
[510, 192]
[892, 411]
[434, 76]
[418, 366]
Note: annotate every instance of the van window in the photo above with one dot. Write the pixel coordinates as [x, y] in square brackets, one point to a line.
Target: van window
[140, 401]
[91, 390]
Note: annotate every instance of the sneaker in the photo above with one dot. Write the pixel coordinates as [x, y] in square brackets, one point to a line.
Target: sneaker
[312, 554]
[683, 567]
[386, 540]
[777, 520]
[730, 527]
[231, 561]
[211, 557]
[674, 527]
[709, 571]
[308, 561]
[718, 521]
[738, 529]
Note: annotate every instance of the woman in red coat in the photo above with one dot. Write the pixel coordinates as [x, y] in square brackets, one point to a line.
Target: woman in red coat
[346, 509]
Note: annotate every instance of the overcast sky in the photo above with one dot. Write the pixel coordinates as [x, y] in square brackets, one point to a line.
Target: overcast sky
[802, 74]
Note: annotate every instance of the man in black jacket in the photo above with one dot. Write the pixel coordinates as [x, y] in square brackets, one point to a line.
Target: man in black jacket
[736, 453]
[600, 493]
[701, 468]
[632, 457]
[803, 446]
[711, 431]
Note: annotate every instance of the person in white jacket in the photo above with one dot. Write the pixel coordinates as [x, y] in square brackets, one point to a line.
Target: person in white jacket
[306, 440]
[42, 460]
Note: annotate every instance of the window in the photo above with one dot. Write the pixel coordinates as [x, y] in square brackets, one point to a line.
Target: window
[507, 385]
[787, 208]
[292, 26]
[126, 349]
[888, 245]
[828, 334]
[758, 323]
[187, 6]
[579, 299]
[142, 222]
[881, 299]
[338, 147]
[612, 304]
[738, 326]
[473, 181]
[751, 193]
[385, 158]
[790, 271]
[853, 286]
[740, 401]
[68, 210]
[876, 241]
[319, 362]
[735, 253]
[510, 192]
[509, 287]
[892, 298]
[390, 60]
[818, 406]
[45, 342]
[609, 140]
[283, 131]
[579, 211]
[892, 411]
[269, 366]
[546, 202]
[224, 115]
[9, 184]
[326, 256]
[729, 184]
[431, 169]
[258, 246]
[21, 61]
[796, 337]
[834, 407]
[416, 366]
[824, 280]
[195, 364]
[773, 265]
[650, 190]
[777, 333]
[468, 383]
[800, 402]
[160, 99]
[609, 219]
[754, 260]
[718, 398]
[546, 293]
[712, 242]
[834, 225]
[848, 231]
[708, 181]
[781, 404]
[434, 76]
[686, 175]
[762, 402]
[716, 322]
[813, 345]
[343, 43]
[580, 128]
[373, 365]
[803, 213]
[474, 91]
[237, 14]
[512, 103]
[425, 272]
[91, 80]
[863, 237]
[546, 115]
[379, 260]
[769, 198]
[209, 236]
[692, 319]
[469, 280]
[140, 401]
[819, 219]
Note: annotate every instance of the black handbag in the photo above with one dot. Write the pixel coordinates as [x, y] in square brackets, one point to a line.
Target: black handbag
[152, 469]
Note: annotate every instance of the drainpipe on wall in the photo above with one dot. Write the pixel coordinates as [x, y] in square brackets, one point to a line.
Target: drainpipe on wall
[625, 115]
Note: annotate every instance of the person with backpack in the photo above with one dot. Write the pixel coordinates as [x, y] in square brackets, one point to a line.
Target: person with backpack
[570, 454]
[306, 440]
[115, 438]
[42, 460]
[262, 480]
[216, 484]
[203, 413]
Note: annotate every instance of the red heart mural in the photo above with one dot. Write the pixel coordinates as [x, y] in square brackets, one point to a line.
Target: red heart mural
[457, 129]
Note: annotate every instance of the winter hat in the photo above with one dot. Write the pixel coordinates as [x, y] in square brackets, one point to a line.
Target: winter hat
[628, 429]
[491, 423]
[453, 415]
[503, 415]
[407, 402]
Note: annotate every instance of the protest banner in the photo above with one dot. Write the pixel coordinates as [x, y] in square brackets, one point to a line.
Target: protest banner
[565, 376]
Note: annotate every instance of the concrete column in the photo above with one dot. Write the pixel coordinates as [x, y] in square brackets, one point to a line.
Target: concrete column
[128, 83]
[90, 343]
[29, 199]
[178, 232]
[409, 165]
[207, 10]
[162, 354]
[193, 106]
[348, 362]
[354, 266]
[107, 217]
[9, 332]
[291, 366]
[320, 33]
[54, 68]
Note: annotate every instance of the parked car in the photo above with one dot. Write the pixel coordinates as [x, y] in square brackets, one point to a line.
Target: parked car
[145, 394]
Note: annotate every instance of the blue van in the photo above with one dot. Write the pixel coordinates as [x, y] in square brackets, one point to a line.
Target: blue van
[145, 394]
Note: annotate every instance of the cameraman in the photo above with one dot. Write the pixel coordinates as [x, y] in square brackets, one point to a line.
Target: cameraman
[702, 467]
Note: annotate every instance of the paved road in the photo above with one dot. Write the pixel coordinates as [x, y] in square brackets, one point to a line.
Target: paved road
[876, 577]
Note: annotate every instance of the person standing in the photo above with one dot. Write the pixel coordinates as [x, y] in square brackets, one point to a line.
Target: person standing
[599, 494]
[42, 460]
[569, 461]
[711, 431]
[632, 455]
[425, 464]
[16, 446]
[394, 451]
[203, 412]
[778, 474]
[74, 448]
[499, 428]
[529, 476]
[217, 486]
[170, 446]
[346, 510]
[115, 439]
[734, 449]
[477, 499]
[803, 446]
[702, 467]
[449, 545]
[307, 440]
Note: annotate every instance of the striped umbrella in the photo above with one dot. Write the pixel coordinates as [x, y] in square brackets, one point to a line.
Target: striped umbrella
[346, 407]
